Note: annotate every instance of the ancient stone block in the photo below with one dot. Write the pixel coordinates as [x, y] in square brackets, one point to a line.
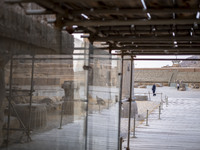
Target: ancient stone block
[125, 109]
[141, 98]
[38, 115]
[14, 123]
[142, 86]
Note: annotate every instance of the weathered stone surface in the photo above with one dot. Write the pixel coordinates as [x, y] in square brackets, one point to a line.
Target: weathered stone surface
[125, 109]
[38, 115]
[159, 85]
[14, 123]
[68, 104]
[28, 35]
[136, 85]
[140, 117]
[167, 75]
[68, 87]
[142, 86]
[141, 98]
[182, 87]
[2, 95]
[126, 79]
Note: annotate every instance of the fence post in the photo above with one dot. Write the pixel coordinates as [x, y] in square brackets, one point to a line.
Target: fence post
[134, 122]
[161, 107]
[159, 112]
[166, 101]
[147, 118]
[99, 108]
[149, 95]
[61, 117]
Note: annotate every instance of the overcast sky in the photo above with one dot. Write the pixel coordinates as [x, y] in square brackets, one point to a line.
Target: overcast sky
[155, 64]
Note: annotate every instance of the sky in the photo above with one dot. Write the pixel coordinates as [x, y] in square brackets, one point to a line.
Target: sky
[78, 36]
[156, 64]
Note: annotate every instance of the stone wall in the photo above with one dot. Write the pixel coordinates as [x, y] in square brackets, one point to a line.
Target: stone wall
[22, 34]
[167, 75]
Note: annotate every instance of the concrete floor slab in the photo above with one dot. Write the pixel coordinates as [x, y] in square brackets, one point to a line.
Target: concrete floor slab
[178, 128]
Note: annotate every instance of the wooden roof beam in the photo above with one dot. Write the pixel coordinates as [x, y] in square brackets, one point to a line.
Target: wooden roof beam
[113, 22]
[162, 53]
[133, 11]
[17, 1]
[159, 45]
[156, 48]
[133, 39]
[39, 12]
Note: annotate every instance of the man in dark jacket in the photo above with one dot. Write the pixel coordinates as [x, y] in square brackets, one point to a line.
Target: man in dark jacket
[154, 89]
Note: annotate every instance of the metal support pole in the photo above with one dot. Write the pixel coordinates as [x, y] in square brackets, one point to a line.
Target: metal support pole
[147, 118]
[87, 96]
[99, 108]
[134, 126]
[161, 105]
[166, 101]
[109, 82]
[61, 116]
[31, 95]
[120, 101]
[9, 99]
[159, 112]
[161, 102]
[130, 100]
[121, 142]
[108, 103]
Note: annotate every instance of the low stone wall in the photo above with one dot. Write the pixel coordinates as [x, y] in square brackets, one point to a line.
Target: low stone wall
[145, 76]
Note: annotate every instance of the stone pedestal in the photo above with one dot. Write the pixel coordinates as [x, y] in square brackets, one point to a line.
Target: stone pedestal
[68, 105]
[14, 123]
[125, 109]
[141, 98]
[38, 115]
[68, 87]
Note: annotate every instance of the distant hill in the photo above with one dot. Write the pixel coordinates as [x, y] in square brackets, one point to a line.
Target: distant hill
[191, 63]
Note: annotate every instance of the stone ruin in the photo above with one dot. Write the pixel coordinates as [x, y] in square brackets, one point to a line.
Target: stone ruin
[38, 114]
[68, 104]
[125, 109]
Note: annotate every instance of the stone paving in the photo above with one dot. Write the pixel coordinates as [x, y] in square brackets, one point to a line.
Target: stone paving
[102, 134]
[178, 128]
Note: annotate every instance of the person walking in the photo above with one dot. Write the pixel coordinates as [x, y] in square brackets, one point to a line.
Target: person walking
[177, 86]
[154, 89]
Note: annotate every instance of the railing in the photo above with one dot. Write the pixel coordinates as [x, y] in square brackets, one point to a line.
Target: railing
[156, 112]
